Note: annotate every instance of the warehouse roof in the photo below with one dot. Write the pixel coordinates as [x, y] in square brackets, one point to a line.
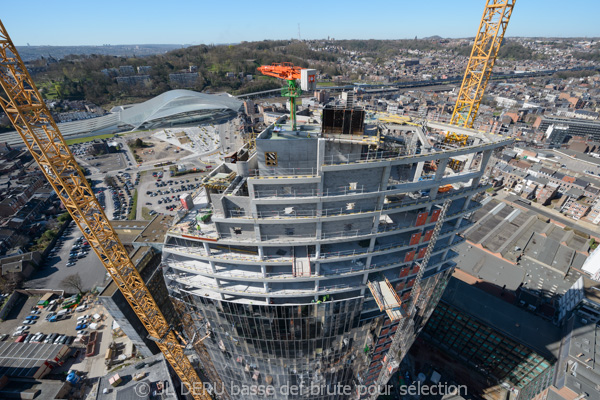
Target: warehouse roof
[24, 359]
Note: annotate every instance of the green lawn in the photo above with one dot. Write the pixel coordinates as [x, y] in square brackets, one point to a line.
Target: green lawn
[88, 139]
[133, 211]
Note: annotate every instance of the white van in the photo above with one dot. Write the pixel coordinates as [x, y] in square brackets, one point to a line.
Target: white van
[81, 308]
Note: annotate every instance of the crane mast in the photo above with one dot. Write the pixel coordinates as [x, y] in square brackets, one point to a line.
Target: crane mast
[28, 113]
[290, 73]
[483, 56]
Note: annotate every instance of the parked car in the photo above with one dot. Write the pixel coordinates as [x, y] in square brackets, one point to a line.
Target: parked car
[80, 327]
[32, 317]
[50, 338]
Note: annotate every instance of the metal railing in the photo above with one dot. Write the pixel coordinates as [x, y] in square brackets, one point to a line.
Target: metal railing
[341, 191]
[283, 172]
[335, 159]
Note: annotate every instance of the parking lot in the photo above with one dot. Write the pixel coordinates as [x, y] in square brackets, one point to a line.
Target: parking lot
[60, 264]
[121, 194]
[67, 326]
[161, 194]
[104, 162]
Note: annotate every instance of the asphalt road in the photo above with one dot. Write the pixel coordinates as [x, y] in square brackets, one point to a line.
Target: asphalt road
[50, 276]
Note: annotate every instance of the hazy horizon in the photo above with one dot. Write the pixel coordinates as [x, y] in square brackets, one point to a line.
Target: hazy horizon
[151, 22]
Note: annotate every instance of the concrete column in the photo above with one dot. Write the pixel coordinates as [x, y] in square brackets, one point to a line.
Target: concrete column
[212, 267]
[372, 244]
[376, 223]
[319, 231]
[261, 252]
[470, 156]
[485, 159]
[368, 261]
[257, 235]
[320, 157]
[263, 269]
[385, 177]
[439, 174]
[206, 248]
[418, 171]
[318, 268]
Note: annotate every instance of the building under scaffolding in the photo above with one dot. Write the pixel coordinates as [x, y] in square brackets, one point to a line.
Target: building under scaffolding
[298, 260]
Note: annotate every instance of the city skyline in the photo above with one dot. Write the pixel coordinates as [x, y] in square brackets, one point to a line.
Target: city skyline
[128, 23]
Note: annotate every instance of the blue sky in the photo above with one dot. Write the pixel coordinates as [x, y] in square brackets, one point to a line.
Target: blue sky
[66, 22]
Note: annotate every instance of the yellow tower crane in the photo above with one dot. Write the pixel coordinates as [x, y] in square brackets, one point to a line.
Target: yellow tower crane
[28, 113]
[479, 69]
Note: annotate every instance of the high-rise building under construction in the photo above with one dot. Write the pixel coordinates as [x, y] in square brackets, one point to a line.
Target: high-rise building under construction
[296, 261]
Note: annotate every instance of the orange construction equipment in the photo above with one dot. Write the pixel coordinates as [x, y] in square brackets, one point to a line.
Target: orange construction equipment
[290, 73]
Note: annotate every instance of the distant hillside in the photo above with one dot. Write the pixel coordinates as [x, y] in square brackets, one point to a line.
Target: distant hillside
[210, 68]
[29, 53]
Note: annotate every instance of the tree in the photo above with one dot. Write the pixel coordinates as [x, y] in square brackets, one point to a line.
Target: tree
[139, 142]
[109, 181]
[73, 281]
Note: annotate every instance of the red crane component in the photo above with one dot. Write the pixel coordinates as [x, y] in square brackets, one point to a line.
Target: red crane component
[290, 73]
[286, 70]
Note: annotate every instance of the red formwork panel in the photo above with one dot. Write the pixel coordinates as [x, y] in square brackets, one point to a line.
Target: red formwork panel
[415, 238]
[421, 219]
[428, 235]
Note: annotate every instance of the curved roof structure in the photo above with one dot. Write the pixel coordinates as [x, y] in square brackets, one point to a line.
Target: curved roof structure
[174, 107]
[178, 106]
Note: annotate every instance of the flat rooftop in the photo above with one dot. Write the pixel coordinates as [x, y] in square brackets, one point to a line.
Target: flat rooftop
[583, 371]
[24, 359]
[155, 231]
[128, 230]
[42, 389]
[157, 372]
[591, 289]
[551, 255]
